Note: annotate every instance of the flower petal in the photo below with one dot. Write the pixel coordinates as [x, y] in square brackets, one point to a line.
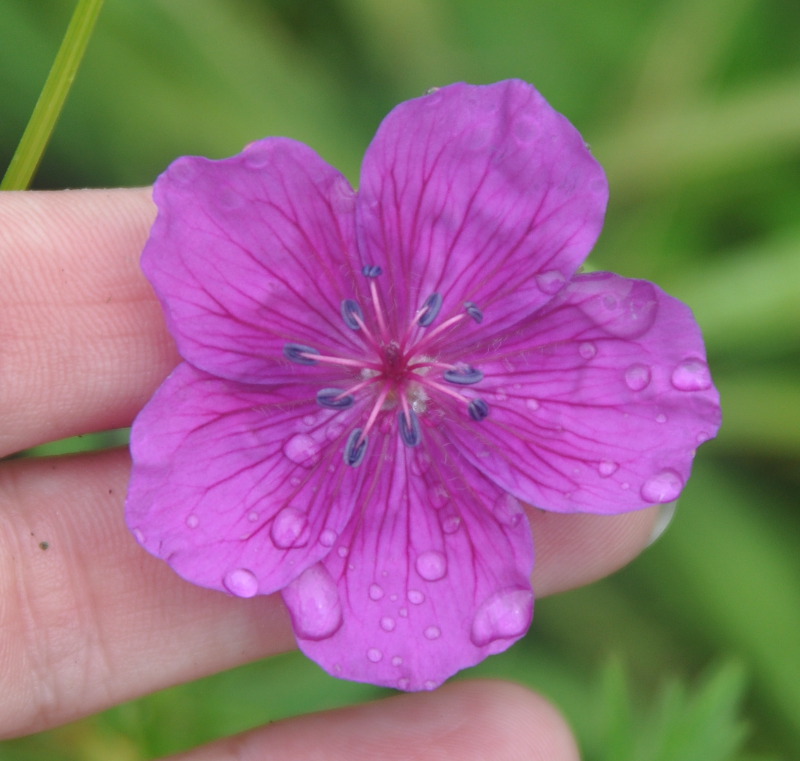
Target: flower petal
[431, 575]
[481, 193]
[237, 487]
[251, 252]
[597, 403]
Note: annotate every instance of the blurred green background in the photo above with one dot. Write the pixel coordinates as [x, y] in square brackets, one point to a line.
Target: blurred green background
[693, 107]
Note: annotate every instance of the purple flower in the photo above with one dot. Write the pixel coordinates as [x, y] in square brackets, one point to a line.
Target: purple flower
[375, 380]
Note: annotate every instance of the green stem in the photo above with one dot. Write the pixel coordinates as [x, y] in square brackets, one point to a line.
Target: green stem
[51, 100]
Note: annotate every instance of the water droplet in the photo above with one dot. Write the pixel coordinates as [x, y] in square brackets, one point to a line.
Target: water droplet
[416, 597]
[342, 551]
[403, 612]
[374, 655]
[403, 683]
[302, 450]
[397, 661]
[257, 156]
[662, 487]
[661, 418]
[691, 375]
[328, 537]
[310, 420]
[508, 510]
[289, 528]
[193, 521]
[138, 535]
[388, 624]
[587, 350]
[241, 582]
[607, 468]
[295, 481]
[433, 632]
[505, 614]
[430, 684]
[439, 497]
[431, 565]
[252, 517]
[532, 404]
[703, 436]
[451, 524]
[313, 601]
[375, 591]
[550, 282]
[637, 377]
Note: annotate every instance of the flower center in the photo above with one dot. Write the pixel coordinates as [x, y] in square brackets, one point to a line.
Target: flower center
[396, 372]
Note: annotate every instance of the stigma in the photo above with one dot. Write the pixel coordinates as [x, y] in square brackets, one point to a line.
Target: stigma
[396, 378]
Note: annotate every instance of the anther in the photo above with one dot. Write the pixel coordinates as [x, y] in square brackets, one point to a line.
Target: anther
[473, 311]
[372, 270]
[334, 399]
[463, 376]
[299, 353]
[410, 431]
[478, 410]
[352, 314]
[430, 309]
[355, 449]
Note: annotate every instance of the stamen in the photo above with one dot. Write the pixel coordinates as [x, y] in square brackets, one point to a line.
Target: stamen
[478, 410]
[345, 361]
[437, 331]
[372, 270]
[335, 398]
[410, 431]
[352, 314]
[473, 311]
[464, 375]
[429, 310]
[299, 353]
[355, 449]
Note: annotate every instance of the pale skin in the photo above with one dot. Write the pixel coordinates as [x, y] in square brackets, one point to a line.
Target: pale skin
[87, 618]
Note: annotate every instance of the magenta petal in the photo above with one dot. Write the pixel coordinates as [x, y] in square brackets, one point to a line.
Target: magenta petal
[236, 487]
[431, 575]
[482, 194]
[250, 252]
[597, 402]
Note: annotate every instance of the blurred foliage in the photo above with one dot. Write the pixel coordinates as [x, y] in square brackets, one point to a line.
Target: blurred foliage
[694, 110]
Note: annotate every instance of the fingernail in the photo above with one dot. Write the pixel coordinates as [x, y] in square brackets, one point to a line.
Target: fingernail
[665, 515]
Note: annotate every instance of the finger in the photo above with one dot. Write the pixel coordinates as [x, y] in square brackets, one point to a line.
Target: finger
[461, 721]
[93, 620]
[82, 338]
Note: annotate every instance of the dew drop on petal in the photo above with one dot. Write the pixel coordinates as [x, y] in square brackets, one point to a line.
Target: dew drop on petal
[550, 282]
[637, 377]
[532, 404]
[397, 661]
[508, 510]
[439, 497]
[328, 537]
[416, 597]
[388, 624]
[288, 528]
[375, 592]
[662, 487]
[403, 612]
[252, 516]
[138, 535]
[661, 418]
[451, 524]
[505, 614]
[313, 601]
[374, 655]
[432, 565]
[587, 350]
[302, 450]
[342, 551]
[691, 375]
[403, 683]
[432, 632]
[607, 468]
[241, 582]
[192, 521]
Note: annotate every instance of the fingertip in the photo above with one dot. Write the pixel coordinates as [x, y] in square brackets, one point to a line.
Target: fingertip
[576, 549]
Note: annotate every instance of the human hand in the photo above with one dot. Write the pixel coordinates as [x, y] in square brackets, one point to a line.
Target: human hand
[94, 620]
